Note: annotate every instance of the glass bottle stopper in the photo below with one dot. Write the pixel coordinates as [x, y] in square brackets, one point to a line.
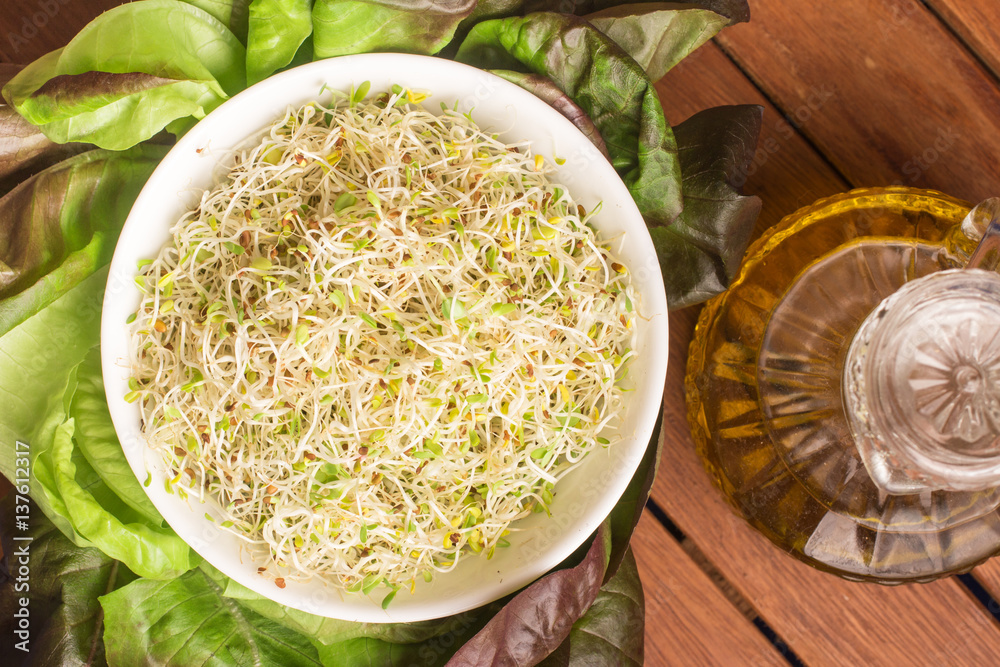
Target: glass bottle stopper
[922, 377]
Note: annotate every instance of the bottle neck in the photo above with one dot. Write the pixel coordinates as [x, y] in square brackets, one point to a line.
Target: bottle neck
[922, 385]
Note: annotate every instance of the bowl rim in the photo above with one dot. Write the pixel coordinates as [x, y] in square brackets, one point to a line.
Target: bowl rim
[292, 83]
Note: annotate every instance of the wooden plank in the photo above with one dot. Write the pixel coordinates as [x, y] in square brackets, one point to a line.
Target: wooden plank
[823, 619]
[909, 103]
[685, 610]
[975, 22]
[31, 28]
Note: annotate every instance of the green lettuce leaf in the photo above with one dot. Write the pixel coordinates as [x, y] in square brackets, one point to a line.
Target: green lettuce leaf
[97, 440]
[95, 514]
[67, 621]
[658, 35]
[278, 28]
[417, 26]
[701, 252]
[57, 231]
[129, 73]
[402, 644]
[606, 83]
[42, 483]
[234, 14]
[370, 652]
[44, 349]
[188, 621]
[431, 652]
[334, 631]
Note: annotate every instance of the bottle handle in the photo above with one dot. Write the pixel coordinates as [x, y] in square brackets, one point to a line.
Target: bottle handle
[984, 220]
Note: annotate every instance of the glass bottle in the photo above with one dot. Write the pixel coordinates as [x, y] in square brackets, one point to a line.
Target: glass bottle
[844, 394]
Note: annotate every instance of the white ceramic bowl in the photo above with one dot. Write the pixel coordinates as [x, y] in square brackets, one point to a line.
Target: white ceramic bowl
[583, 498]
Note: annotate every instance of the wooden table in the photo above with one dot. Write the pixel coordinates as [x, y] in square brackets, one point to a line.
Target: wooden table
[856, 93]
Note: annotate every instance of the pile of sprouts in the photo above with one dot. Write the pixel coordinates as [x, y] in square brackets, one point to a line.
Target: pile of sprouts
[379, 342]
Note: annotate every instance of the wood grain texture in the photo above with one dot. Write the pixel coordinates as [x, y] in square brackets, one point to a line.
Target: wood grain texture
[905, 102]
[689, 621]
[975, 21]
[31, 28]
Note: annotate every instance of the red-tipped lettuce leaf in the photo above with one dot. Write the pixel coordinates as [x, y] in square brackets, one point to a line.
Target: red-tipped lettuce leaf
[610, 632]
[56, 230]
[737, 11]
[61, 225]
[701, 252]
[24, 150]
[606, 83]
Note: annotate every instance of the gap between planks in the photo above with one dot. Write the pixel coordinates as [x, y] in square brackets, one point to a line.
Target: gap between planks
[973, 23]
[909, 104]
[689, 611]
